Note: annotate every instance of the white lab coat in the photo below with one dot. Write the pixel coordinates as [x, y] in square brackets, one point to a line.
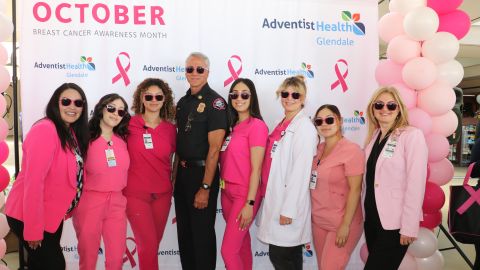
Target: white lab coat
[287, 191]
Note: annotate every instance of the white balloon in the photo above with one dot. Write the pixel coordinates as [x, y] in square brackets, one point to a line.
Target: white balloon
[425, 245]
[434, 262]
[404, 6]
[442, 47]
[402, 49]
[421, 23]
[451, 72]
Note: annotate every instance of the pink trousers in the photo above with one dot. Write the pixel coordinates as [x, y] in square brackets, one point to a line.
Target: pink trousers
[236, 245]
[148, 214]
[329, 256]
[101, 215]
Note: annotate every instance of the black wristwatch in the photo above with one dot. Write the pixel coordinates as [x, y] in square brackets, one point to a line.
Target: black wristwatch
[205, 186]
[251, 202]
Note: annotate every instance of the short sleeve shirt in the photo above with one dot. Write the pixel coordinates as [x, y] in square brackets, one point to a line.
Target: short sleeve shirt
[197, 114]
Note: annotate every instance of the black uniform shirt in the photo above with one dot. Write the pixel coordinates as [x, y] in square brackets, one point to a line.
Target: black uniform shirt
[197, 115]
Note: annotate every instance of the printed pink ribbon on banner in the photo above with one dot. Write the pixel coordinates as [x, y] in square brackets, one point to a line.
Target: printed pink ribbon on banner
[122, 70]
[234, 73]
[129, 254]
[340, 77]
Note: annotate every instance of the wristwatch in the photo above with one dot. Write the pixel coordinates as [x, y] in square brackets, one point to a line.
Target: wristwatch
[205, 186]
[251, 202]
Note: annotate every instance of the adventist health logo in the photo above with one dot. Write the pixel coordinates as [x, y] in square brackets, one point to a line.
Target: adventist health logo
[76, 70]
[305, 70]
[353, 123]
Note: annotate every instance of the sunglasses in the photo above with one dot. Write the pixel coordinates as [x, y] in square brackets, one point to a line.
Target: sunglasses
[391, 106]
[200, 70]
[149, 97]
[285, 94]
[112, 109]
[66, 102]
[328, 120]
[244, 96]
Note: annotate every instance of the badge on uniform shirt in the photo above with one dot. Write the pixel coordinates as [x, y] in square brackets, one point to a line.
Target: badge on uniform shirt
[219, 104]
[313, 180]
[225, 143]
[201, 107]
[147, 141]
[390, 149]
[110, 155]
[199, 97]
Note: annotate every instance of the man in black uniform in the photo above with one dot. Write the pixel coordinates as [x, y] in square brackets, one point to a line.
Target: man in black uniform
[202, 122]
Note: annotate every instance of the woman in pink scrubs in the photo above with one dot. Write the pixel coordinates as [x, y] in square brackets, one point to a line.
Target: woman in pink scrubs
[335, 188]
[241, 162]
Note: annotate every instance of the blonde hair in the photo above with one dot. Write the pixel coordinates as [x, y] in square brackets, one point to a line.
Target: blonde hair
[402, 117]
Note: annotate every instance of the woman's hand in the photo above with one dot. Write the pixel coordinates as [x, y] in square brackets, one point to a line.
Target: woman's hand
[342, 235]
[34, 244]
[285, 220]
[245, 217]
[406, 240]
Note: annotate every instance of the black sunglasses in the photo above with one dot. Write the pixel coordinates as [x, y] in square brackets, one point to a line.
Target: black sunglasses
[285, 94]
[149, 97]
[200, 70]
[244, 96]
[391, 106]
[112, 109]
[328, 120]
[66, 102]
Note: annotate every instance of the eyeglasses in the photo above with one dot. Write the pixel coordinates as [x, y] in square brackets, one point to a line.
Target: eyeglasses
[200, 70]
[391, 106]
[66, 102]
[327, 120]
[112, 109]
[244, 96]
[149, 97]
[285, 94]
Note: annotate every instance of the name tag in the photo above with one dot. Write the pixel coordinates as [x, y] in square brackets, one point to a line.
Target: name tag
[274, 148]
[225, 143]
[147, 141]
[313, 180]
[110, 155]
[389, 149]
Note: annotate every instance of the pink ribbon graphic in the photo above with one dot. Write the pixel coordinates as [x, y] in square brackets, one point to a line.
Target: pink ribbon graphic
[234, 73]
[122, 70]
[474, 197]
[340, 77]
[129, 253]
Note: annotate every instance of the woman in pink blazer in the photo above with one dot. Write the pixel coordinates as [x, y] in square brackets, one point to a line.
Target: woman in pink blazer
[394, 182]
[49, 184]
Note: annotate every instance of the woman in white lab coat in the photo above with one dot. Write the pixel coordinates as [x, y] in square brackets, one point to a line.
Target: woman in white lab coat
[285, 222]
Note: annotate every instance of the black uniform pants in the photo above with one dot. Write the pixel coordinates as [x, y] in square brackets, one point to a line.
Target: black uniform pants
[286, 258]
[49, 255]
[195, 227]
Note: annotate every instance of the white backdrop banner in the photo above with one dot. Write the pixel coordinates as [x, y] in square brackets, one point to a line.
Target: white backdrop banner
[112, 46]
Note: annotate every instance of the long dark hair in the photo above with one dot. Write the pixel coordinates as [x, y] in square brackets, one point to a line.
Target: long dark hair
[253, 109]
[94, 124]
[79, 127]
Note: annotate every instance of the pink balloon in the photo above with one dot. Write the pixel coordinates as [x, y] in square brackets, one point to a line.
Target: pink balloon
[420, 119]
[390, 26]
[434, 198]
[443, 6]
[438, 147]
[402, 49]
[4, 151]
[4, 79]
[436, 100]
[408, 263]
[3, 55]
[2, 199]
[3, 105]
[434, 262]
[3, 248]
[4, 179]
[364, 252]
[430, 221]
[441, 172]
[388, 72]
[3, 129]
[4, 228]
[419, 73]
[456, 22]
[445, 124]
[409, 96]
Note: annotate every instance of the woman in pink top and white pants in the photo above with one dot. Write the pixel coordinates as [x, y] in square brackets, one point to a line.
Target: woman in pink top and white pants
[241, 162]
[151, 144]
[101, 211]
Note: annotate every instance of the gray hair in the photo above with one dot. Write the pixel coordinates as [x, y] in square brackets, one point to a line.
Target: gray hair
[201, 56]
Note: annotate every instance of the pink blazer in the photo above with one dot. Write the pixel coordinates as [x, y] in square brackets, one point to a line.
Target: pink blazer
[46, 184]
[400, 181]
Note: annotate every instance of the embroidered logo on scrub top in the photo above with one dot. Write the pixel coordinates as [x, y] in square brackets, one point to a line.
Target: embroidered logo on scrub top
[219, 104]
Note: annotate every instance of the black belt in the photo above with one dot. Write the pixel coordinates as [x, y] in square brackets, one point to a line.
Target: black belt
[192, 163]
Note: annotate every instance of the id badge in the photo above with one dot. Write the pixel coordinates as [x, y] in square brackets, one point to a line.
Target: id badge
[225, 143]
[147, 141]
[222, 184]
[110, 155]
[389, 149]
[313, 180]
[274, 148]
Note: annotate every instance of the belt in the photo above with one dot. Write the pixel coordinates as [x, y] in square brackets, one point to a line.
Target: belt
[192, 163]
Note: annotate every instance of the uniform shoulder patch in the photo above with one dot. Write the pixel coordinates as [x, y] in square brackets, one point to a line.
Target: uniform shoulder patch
[219, 104]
